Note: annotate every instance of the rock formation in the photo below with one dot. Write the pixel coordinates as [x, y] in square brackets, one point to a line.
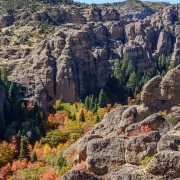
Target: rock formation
[116, 147]
[75, 55]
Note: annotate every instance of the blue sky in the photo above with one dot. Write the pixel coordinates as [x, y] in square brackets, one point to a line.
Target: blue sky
[105, 1]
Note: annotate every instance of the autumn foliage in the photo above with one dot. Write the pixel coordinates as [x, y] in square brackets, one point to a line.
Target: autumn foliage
[60, 129]
[80, 166]
[144, 129]
[49, 175]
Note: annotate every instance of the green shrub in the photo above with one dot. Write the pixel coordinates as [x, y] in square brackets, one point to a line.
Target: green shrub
[64, 170]
[51, 160]
[61, 161]
[146, 160]
[32, 173]
[7, 32]
[15, 43]
[54, 137]
[172, 121]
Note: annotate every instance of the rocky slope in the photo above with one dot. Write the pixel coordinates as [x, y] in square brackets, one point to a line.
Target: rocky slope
[81, 47]
[117, 146]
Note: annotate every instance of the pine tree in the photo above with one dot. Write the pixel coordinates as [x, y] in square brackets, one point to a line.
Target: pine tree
[11, 93]
[36, 109]
[81, 117]
[102, 102]
[97, 119]
[2, 126]
[117, 69]
[95, 106]
[132, 80]
[0, 76]
[105, 50]
[129, 69]
[4, 75]
[87, 102]
[91, 105]
[24, 151]
[125, 62]
[33, 157]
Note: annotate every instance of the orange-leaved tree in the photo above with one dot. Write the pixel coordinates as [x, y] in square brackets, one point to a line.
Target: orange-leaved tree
[49, 175]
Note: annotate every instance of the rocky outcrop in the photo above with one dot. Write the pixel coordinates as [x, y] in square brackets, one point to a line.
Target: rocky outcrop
[128, 172]
[162, 92]
[5, 41]
[134, 114]
[165, 163]
[16, 53]
[139, 147]
[151, 123]
[132, 136]
[6, 20]
[102, 153]
[176, 53]
[76, 54]
[79, 175]
[164, 45]
[70, 67]
[41, 16]
[169, 141]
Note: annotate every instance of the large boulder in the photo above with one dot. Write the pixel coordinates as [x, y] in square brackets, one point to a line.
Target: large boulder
[138, 147]
[152, 123]
[101, 153]
[6, 20]
[110, 123]
[165, 163]
[162, 93]
[78, 175]
[80, 147]
[169, 141]
[127, 172]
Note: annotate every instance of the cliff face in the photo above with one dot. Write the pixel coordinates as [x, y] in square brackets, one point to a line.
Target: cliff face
[80, 51]
[118, 146]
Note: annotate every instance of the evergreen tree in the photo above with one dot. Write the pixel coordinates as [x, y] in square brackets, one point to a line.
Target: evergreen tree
[105, 50]
[4, 75]
[2, 126]
[24, 151]
[95, 106]
[125, 62]
[33, 157]
[97, 119]
[0, 76]
[132, 80]
[11, 93]
[117, 69]
[87, 102]
[129, 69]
[81, 117]
[102, 102]
[36, 109]
[91, 105]
[13, 97]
